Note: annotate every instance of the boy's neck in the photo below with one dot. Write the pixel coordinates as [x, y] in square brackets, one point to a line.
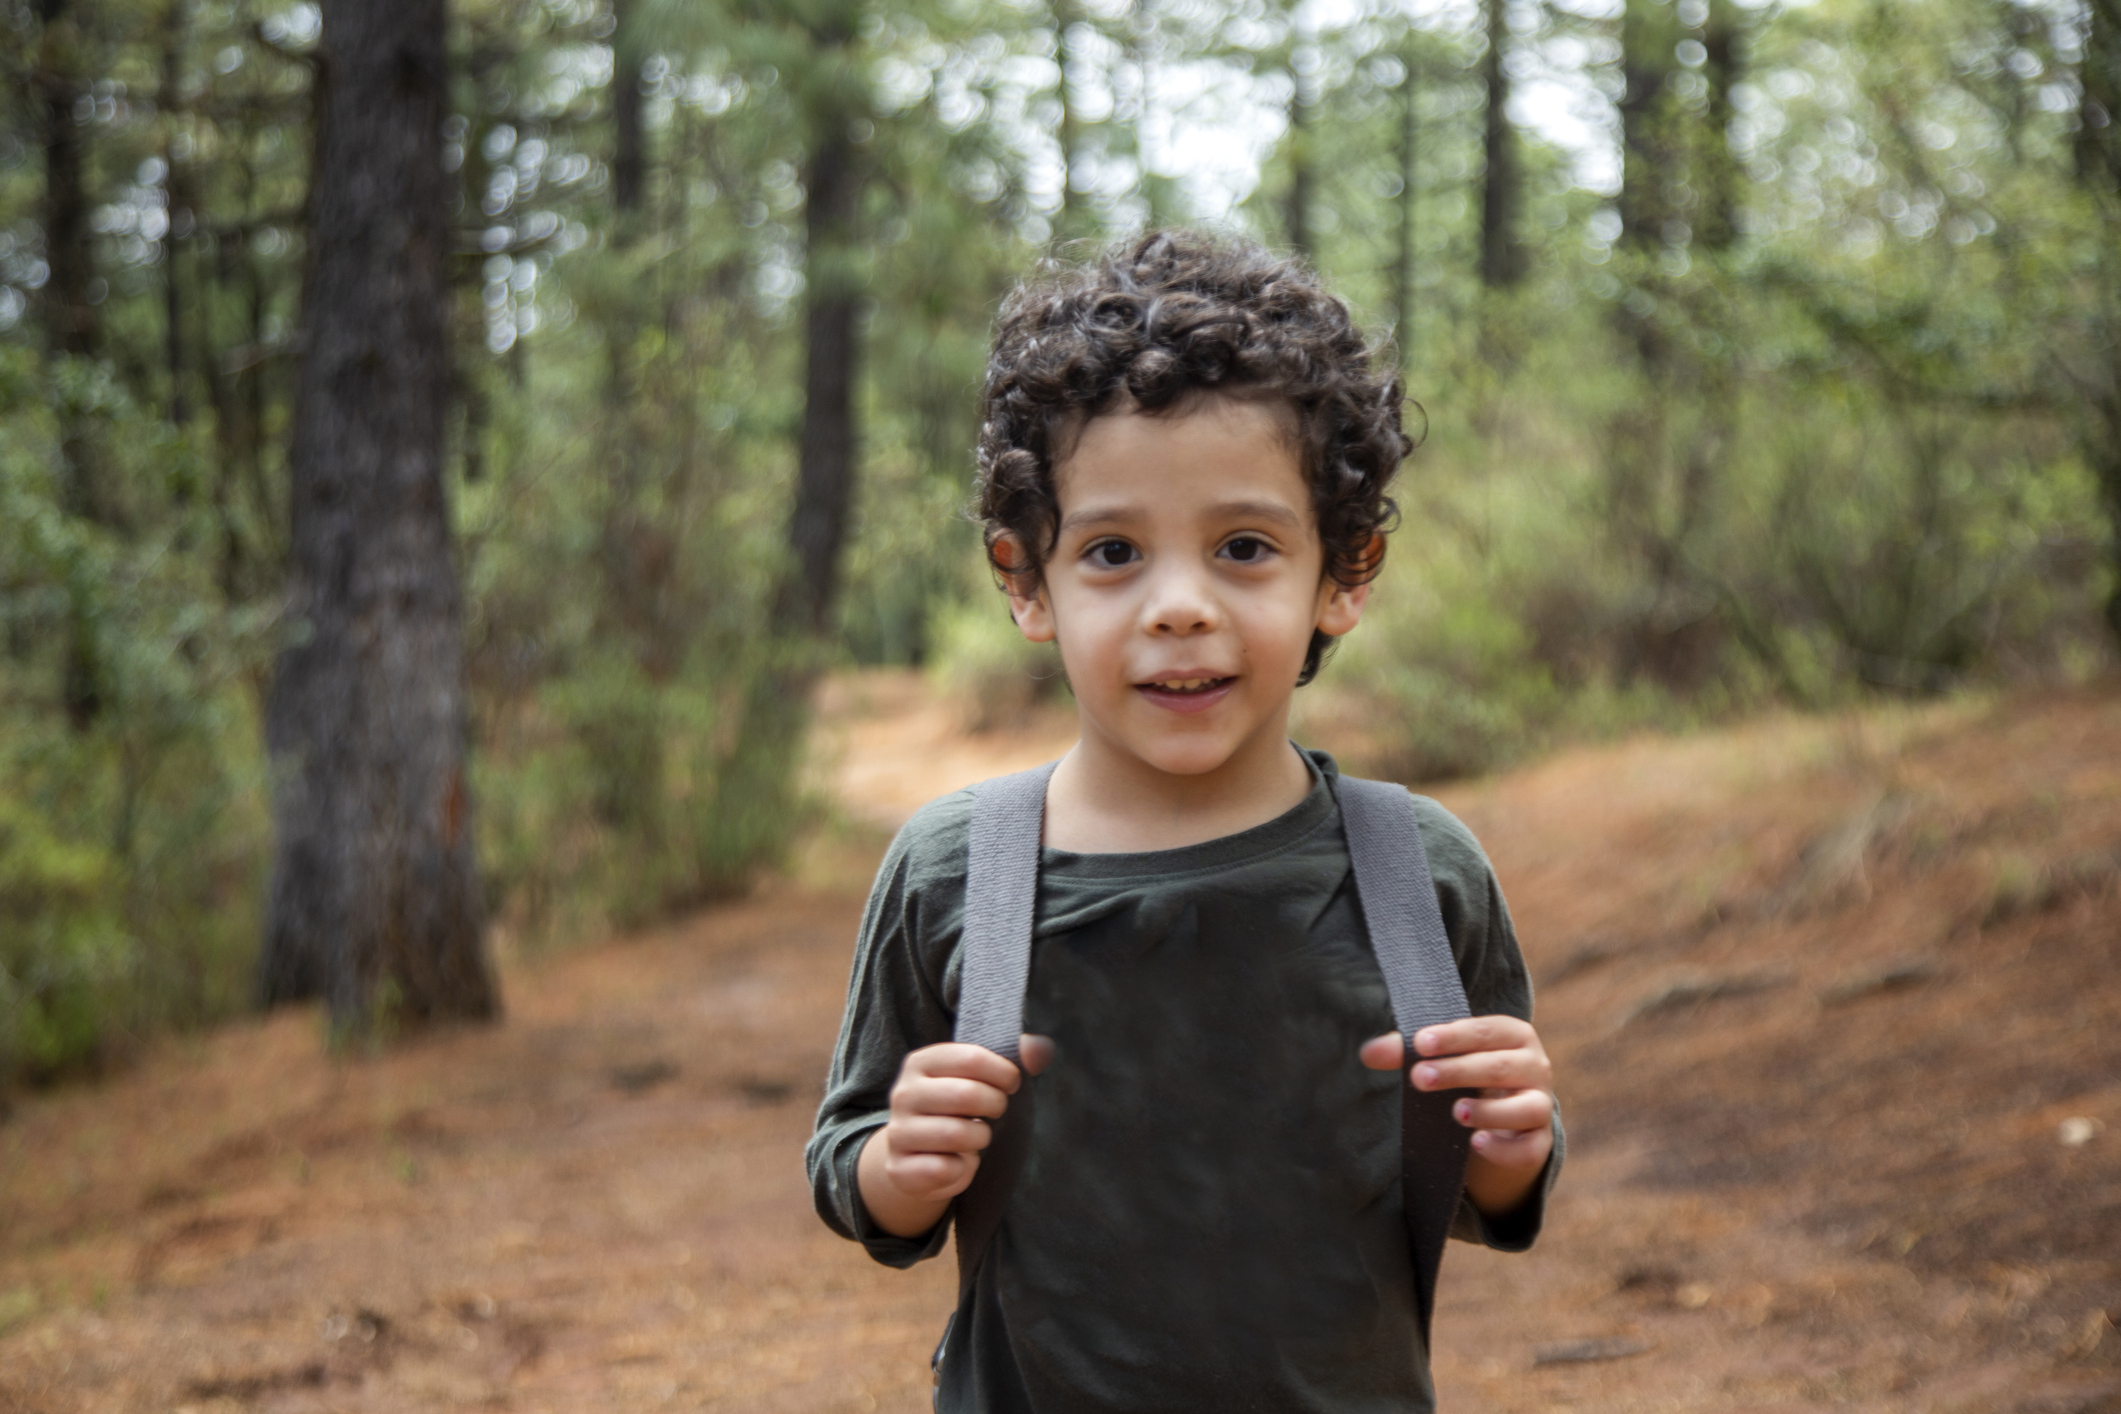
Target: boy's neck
[1106, 800]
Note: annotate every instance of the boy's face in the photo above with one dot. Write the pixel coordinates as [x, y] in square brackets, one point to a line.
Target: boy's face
[1185, 584]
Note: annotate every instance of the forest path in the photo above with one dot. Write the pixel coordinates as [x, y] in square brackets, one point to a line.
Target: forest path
[1834, 1011]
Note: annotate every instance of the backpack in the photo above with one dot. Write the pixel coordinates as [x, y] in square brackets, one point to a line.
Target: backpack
[1398, 899]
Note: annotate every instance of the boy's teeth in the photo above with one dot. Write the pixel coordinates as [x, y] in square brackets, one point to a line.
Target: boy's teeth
[1185, 684]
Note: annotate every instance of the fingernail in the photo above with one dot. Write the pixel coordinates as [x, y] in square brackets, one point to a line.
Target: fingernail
[1426, 1041]
[1480, 1139]
[1462, 1111]
[1424, 1076]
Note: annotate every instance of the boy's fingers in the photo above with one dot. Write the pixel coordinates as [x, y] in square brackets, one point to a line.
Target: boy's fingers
[1036, 1052]
[1486, 1070]
[931, 1176]
[1519, 1149]
[1475, 1033]
[1523, 1110]
[963, 1061]
[933, 1095]
[1387, 1052]
[940, 1134]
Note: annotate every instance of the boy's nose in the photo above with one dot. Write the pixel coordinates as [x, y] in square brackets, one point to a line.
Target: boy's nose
[1179, 604]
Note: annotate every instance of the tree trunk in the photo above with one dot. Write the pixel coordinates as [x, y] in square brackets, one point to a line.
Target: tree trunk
[753, 792]
[1649, 32]
[1303, 178]
[69, 318]
[178, 186]
[375, 897]
[2098, 141]
[70, 328]
[1075, 220]
[1715, 166]
[631, 580]
[1403, 265]
[2098, 164]
[628, 160]
[1501, 257]
[817, 525]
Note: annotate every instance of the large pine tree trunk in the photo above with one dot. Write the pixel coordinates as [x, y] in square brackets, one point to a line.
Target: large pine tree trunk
[1303, 172]
[824, 495]
[629, 164]
[753, 794]
[1648, 125]
[2098, 162]
[1075, 220]
[69, 317]
[1501, 255]
[70, 323]
[1716, 169]
[375, 899]
[173, 292]
[1403, 263]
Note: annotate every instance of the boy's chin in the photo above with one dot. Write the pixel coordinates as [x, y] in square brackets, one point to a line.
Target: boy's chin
[1189, 754]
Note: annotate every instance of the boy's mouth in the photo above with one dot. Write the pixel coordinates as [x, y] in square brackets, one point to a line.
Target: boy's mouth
[1185, 694]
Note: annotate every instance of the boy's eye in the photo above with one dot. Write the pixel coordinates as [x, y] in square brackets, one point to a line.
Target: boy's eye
[1245, 549]
[1111, 553]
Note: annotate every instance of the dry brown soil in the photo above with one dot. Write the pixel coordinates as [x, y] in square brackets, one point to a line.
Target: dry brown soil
[1833, 1004]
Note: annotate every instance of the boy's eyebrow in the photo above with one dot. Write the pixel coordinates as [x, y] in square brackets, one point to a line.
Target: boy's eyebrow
[1096, 515]
[1260, 510]
[1273, 511]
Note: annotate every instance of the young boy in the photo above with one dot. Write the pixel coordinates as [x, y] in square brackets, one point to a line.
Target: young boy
[1183, 464]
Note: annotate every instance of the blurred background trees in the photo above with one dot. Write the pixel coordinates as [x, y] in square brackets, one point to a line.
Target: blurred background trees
[1771, 354]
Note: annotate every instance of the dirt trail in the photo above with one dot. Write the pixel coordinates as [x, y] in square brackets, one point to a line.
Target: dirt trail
[1834, 1006]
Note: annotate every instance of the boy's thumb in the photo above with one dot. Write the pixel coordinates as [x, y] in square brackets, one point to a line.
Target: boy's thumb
[1387, 1052]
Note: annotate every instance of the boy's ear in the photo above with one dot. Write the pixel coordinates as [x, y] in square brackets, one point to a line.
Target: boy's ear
[1340, 606]
[1033, 619]
[1027, 599]
[1343, 607]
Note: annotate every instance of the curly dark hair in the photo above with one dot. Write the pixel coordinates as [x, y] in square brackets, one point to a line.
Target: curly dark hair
[1163, 320]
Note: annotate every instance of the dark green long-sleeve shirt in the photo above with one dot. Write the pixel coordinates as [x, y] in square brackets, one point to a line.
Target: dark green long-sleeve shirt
[1209, 1213]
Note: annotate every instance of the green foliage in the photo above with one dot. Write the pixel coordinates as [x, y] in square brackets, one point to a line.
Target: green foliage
[1816, 457]
[991, 671]
[130, 848]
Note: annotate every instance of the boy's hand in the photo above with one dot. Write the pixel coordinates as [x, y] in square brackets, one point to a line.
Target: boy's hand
[928, 1151]
[1512, 1118]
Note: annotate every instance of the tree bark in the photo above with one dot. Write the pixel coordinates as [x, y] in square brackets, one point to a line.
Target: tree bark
[1403, 264]
[70, 327]
[753, 792]
[2098, 167]
[178, 187]
[1716, 174]
[628, 155]
[375, 899]
[1648, 33]
[1074, 221]
[1303, 179]
[2098, 141]
[69, 318]
[817, 524]
[1501, 256]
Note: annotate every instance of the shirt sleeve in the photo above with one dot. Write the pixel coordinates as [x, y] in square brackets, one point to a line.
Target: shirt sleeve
[904, 964]
[1484, 942]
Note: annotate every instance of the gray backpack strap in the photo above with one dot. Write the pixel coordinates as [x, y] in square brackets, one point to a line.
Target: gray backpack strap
[1001, 898]
[1399, 907]
[1001, 901]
